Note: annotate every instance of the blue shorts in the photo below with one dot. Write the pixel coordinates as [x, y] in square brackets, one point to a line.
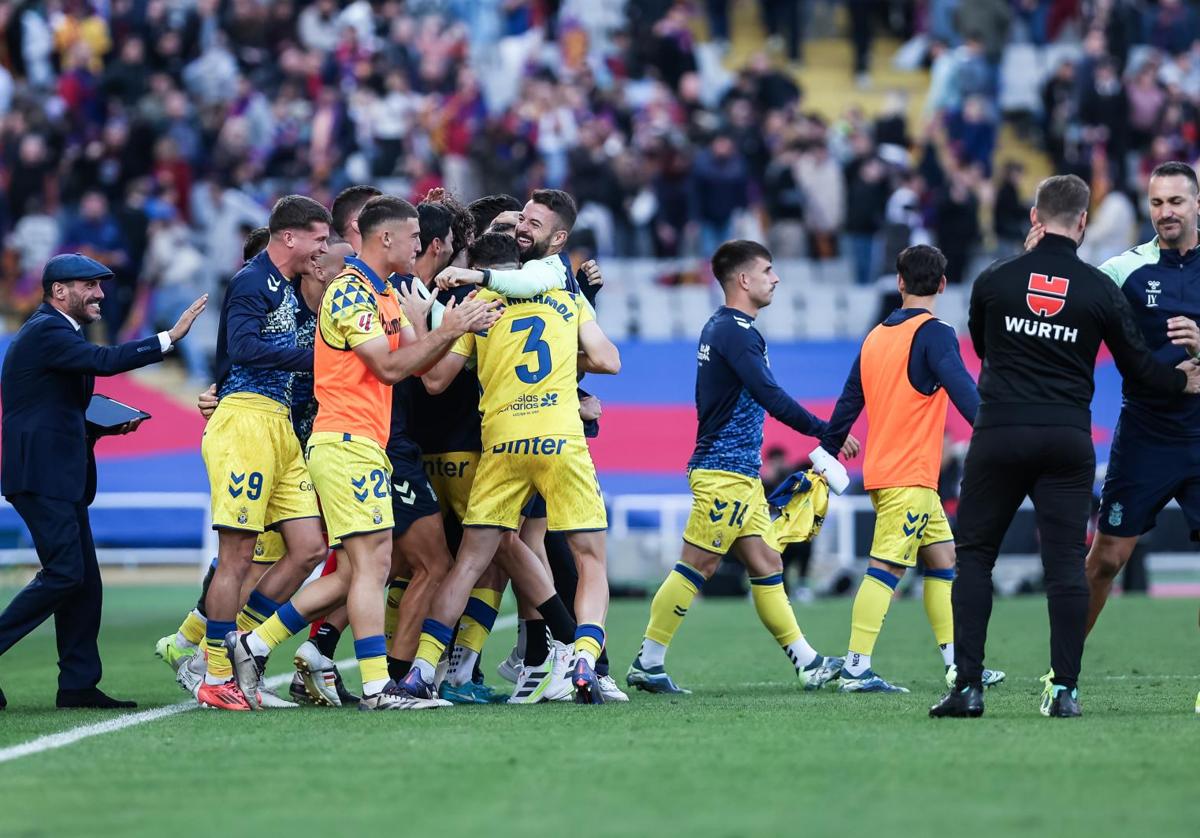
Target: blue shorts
[1144, 474]
[535, 507]
[412, 496]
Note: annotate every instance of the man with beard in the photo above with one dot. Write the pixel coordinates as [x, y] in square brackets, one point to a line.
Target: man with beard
[49, 470]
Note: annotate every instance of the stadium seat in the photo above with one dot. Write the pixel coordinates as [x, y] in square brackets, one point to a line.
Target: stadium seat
[613, 312]
[654, 305]
[691, 306]
[1021, 74]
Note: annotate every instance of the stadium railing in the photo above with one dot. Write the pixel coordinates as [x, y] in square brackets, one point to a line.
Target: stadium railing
[179, 519]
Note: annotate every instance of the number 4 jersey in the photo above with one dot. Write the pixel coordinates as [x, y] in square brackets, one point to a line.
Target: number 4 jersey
[527, 366]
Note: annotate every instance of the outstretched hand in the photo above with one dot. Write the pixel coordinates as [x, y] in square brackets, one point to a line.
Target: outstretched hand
[184, 324]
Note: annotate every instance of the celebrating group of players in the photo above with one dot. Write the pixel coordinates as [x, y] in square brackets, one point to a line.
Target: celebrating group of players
[360, 410]
[418, 414]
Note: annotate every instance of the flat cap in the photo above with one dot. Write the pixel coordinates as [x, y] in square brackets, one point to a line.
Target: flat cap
[70, 266]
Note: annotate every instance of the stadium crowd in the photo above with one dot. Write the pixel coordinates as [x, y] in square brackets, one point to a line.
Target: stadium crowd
[152, 134]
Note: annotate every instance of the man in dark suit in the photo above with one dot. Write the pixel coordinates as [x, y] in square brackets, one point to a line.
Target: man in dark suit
[48, 468]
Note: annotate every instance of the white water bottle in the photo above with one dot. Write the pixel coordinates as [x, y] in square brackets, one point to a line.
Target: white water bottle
[833, 471]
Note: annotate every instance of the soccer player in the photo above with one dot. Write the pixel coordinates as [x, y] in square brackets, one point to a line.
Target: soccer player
[908, 369]
[419, 548]
[532, 441]
[256, 470]
[734, 389]
[1150, 463]
[358, 359]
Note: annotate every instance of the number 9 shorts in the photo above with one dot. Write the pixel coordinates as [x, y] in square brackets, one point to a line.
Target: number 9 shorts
[256, 471]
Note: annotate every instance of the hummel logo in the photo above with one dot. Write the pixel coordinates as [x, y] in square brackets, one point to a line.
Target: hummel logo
[406, 494]
[360, 483]
[745, 324]
[273, 283]
[235, 480]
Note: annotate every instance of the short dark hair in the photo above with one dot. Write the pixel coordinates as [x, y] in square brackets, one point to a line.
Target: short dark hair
[255, 241]
[348, 202]
[296, 212]
[484, 210]
[733, 255]
[380, 210]
[1175, 168]
[1062, 198]
[436, 223]
[558, 202]
[493, 249]
[922, 266]
[463, 224]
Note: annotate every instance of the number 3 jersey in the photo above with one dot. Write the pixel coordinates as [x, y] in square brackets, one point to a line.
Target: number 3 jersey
[527, 366]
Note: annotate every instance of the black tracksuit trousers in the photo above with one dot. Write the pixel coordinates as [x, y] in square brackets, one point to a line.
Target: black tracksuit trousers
[1055, 467]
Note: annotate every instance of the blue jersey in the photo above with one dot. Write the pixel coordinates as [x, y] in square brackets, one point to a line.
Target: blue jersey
[256, 338]
[401, 445]
[304, 401]
[1159, 284]
[735, 389]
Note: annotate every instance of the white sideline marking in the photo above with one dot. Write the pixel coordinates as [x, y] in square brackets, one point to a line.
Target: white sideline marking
[77, 734]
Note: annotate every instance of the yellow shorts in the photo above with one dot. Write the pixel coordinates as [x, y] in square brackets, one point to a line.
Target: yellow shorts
[451, 475]
[726, 506]
[269, 548]
[256, 471]
[354, 480]
[559, 468]
[906, 519]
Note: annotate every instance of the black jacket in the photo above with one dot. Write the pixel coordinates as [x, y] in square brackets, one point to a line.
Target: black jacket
[1037, 321]
[48, 378]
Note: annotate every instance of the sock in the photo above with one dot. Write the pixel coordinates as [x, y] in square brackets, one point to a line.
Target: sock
[191, 630]
[220, 669]
[602, 662]
[279, 627]
[947, 650]
[522, 636]
[201, 607]
[939, 610]
[871, 605]
[589, 640]
[652, 653]
[558, 619]
[391, 610]
[462, 665]
[478, 619]
[671, 603]
[856, 664]
[800, 653]
[257, 610]
[536, 647]
[372, 662]
[327, 640]
[434, 637]
[776, 614]
[398, 668]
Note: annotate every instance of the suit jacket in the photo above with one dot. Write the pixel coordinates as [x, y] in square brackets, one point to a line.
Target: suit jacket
[47, 380]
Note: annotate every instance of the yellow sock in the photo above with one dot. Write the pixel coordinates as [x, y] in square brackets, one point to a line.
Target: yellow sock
[774, 610]
[247, 621]
[430, 648]
[672, 602]
[589, 641]
[391, 610]
[870, 607]
[478, 618]
[937, 605]
[280, 626]
[372, 659]
[192, 628]
[219, 667]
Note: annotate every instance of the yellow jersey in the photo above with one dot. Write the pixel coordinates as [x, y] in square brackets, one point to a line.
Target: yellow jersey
[357, 307]
[527, 366]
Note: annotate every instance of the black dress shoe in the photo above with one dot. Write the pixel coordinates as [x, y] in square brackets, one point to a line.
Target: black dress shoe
[959, 703]
[92, 698]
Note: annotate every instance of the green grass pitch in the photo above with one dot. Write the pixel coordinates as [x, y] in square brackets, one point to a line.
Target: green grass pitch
[747, 754]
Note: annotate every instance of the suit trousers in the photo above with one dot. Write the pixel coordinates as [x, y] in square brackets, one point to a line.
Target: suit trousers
[68, 587]
[1054, 466]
